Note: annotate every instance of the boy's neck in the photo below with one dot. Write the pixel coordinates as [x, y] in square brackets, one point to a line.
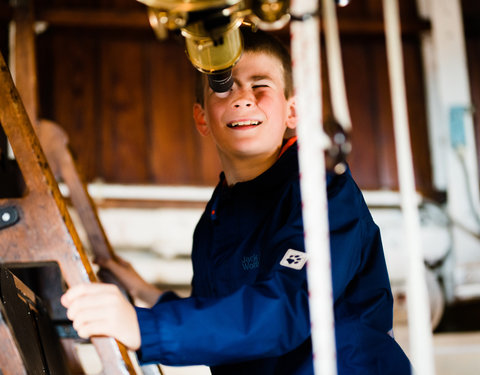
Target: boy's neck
[241, 170]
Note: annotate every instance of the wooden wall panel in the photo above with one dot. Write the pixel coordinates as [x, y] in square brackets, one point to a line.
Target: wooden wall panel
[126, 101]
[385, 143]
[65, 3]
[471, 13]
[124, 134]
[126, 98]
[373, 159]
[73, 95]
[417, 115]
[120, 4]
[4, 52]
[473, 50]
[373, 9]
[175, 141]
[4, 38]
[360, 95]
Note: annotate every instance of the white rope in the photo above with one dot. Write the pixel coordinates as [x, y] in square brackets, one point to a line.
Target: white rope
[311, 140]
[421, 342]
[335, 66]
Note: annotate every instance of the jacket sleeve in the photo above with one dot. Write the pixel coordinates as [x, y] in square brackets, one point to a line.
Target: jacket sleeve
[266, 319]
[262, 320]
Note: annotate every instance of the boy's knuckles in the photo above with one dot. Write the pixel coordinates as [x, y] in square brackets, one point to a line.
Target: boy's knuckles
[70, 314]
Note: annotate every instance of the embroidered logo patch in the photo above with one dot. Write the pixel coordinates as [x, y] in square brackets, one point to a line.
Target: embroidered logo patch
[294, 259]
[251, 262]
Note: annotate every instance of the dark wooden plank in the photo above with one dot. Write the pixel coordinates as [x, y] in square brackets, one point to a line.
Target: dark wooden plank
[24, 57]
[45, 231]
[5, 16]
[473, 54]
[471, 7]
[131, 97]
[416, 103]
[387, 164]
[95, 18]
[75, 96]
[6, 12]
[173, 132]
[11, 361]
[65, 3]
[121, 4]
[124, 141]
[471, 14]
[360, 95]
[136, 18]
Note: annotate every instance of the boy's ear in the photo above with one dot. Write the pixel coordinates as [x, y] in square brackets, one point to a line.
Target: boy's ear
[291, 113]
[199, 118]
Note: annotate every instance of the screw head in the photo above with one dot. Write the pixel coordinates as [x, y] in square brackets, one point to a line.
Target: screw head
[6, 217]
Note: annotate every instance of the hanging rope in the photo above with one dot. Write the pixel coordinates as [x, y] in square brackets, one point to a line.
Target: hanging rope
[312, 143]
[417, 296]
[335, 66]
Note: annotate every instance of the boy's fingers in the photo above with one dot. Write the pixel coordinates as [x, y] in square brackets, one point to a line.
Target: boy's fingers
[85, 290]
[102, 310]
[87, 329]
[100, 319]
[71, 294]
[90, 307]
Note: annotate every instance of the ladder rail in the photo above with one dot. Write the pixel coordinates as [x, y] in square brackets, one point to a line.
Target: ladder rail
[34, 238]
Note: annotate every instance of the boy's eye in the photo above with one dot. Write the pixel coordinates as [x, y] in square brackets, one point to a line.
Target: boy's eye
[259, 86]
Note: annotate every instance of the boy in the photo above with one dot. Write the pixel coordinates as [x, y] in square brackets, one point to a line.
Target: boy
[248, 313]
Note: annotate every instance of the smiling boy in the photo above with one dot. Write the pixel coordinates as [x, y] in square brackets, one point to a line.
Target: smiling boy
[249, 124]
[248, 312]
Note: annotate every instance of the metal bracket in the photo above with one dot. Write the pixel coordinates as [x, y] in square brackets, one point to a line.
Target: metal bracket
[65, 330]
[8, 216]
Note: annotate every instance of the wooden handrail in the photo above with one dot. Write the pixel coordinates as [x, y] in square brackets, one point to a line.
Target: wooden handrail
[45, 231]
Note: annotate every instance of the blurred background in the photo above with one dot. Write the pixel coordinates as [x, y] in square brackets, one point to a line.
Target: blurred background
[124, 98]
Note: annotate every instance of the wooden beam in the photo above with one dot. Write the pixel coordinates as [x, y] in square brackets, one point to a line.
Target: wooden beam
[94, 18]
[6, 12]
[138, 19]
[364, 26]
[45, 231]
[22, 54]
[471, 24]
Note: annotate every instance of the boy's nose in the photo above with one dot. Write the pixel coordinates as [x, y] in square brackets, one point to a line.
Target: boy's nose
[242, 103]
[244, 100]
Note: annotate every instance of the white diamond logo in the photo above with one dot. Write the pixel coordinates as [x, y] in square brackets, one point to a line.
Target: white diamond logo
[294, 259]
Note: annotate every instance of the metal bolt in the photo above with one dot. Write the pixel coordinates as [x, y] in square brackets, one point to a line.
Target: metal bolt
[6, 217]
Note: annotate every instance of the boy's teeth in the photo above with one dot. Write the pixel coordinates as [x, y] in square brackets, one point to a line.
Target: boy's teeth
[243, 123]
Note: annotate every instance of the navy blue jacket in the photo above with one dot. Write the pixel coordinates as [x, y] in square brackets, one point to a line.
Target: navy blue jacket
[248, 314]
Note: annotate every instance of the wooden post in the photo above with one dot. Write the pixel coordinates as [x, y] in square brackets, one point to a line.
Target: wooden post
[45, 231]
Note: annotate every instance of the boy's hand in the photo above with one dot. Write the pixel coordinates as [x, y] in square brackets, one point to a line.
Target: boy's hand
[139, 289]
[102, 310]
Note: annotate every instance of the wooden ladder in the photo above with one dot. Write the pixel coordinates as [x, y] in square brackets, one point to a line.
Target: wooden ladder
[36, 228]
[53, 140]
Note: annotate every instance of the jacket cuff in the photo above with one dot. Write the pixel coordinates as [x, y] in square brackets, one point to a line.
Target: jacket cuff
[149, 335]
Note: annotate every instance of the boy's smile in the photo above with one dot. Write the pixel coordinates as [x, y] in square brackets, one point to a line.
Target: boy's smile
[243, 124]
[249, 123]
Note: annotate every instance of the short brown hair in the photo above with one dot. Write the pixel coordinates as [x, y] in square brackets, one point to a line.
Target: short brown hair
[257, 41]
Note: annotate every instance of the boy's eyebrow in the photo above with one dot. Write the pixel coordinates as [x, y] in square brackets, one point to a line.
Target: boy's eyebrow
[256, 77]
[260, 77]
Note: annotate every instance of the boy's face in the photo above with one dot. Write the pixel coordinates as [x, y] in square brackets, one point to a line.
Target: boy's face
[251, 120]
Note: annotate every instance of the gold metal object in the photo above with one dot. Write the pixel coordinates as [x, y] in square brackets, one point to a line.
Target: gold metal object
[270, 14]
[211, 30]
[213, 52]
